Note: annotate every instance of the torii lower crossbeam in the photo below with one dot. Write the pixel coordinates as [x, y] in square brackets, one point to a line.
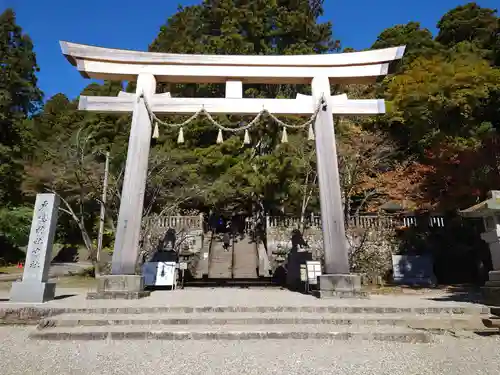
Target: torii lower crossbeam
[187, 106]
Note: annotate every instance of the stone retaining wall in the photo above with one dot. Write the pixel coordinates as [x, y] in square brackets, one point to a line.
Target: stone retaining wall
[373, 244]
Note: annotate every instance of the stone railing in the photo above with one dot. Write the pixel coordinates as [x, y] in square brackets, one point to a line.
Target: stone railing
[359, 221]
[189, 233]
[279, 231]
[176, 222]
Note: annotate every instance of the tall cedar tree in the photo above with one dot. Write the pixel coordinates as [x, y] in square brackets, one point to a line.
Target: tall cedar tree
[19, 98]
[473, 24]
[257, 27]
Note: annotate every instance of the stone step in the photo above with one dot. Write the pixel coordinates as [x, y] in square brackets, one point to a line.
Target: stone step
[231, 332]
[215, 275]
[245, 259]
[219, 266]
[432, 322]
[245, 275]
[15, 314]
[483, 311]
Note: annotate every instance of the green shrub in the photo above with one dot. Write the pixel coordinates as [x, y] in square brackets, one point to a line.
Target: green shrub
[14, 233]
[15, 225]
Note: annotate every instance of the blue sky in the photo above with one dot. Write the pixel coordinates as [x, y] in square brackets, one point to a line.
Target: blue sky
[133, 24]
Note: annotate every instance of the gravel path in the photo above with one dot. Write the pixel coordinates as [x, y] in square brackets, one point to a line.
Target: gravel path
[447, 355]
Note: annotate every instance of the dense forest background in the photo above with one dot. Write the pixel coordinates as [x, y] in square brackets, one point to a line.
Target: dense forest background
[436, 148]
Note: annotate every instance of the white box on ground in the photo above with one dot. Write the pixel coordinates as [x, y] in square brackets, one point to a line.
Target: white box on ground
[166, 274]
[160, 274]
[313, 271]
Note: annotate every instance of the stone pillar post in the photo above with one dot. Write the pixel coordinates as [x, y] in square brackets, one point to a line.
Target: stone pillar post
[337, 281]
[491, 236]
[34, 286]
[134, 182]
[124, 283]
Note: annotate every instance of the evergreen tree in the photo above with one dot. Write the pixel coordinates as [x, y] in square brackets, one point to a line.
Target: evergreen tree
[473, 24]
[257, 27]
[19, 98]
[418, 41]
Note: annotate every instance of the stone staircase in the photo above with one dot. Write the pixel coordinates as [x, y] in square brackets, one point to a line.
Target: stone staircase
[220, 260]
[246, 260]
[240, 262]
[410, 325]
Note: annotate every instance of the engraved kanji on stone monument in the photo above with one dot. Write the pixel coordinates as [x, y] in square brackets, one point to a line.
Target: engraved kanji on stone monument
[40, 244]
[34, 286]
[41, 219]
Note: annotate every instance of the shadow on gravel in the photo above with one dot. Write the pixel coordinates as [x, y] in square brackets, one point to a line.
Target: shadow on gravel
[62, 296]
[488, 333]
[469, 294]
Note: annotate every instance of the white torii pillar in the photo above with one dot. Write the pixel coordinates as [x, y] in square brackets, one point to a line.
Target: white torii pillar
[128, 229]
[123, 281]
[332, 212]
[337, 280]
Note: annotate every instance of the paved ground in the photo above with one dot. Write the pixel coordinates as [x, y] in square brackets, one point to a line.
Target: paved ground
[448, 355]
[76, 298]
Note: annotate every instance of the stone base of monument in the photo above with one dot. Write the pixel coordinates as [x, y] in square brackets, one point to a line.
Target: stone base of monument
[491, 295]
[491, 290]
[340, 286]
[119, 287]
[32, 291]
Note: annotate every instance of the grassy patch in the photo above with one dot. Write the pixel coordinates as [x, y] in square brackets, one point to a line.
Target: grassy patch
[10, 269]
[76, 282]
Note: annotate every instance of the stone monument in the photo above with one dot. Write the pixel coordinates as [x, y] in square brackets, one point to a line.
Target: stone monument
[489, 211]
[34, 286]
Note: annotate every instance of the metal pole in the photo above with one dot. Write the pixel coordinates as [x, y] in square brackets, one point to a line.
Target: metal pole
[103, 209]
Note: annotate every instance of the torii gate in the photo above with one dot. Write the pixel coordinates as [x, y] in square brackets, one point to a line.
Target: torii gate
[148, 68]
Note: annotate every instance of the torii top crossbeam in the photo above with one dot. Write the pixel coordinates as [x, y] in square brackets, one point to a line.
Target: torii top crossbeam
[118, 64]
[234, 70]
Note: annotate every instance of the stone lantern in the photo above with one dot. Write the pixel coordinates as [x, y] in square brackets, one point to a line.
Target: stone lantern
[489, 211]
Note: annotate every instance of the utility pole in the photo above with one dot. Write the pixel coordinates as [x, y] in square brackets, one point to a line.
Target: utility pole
[103, 212]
